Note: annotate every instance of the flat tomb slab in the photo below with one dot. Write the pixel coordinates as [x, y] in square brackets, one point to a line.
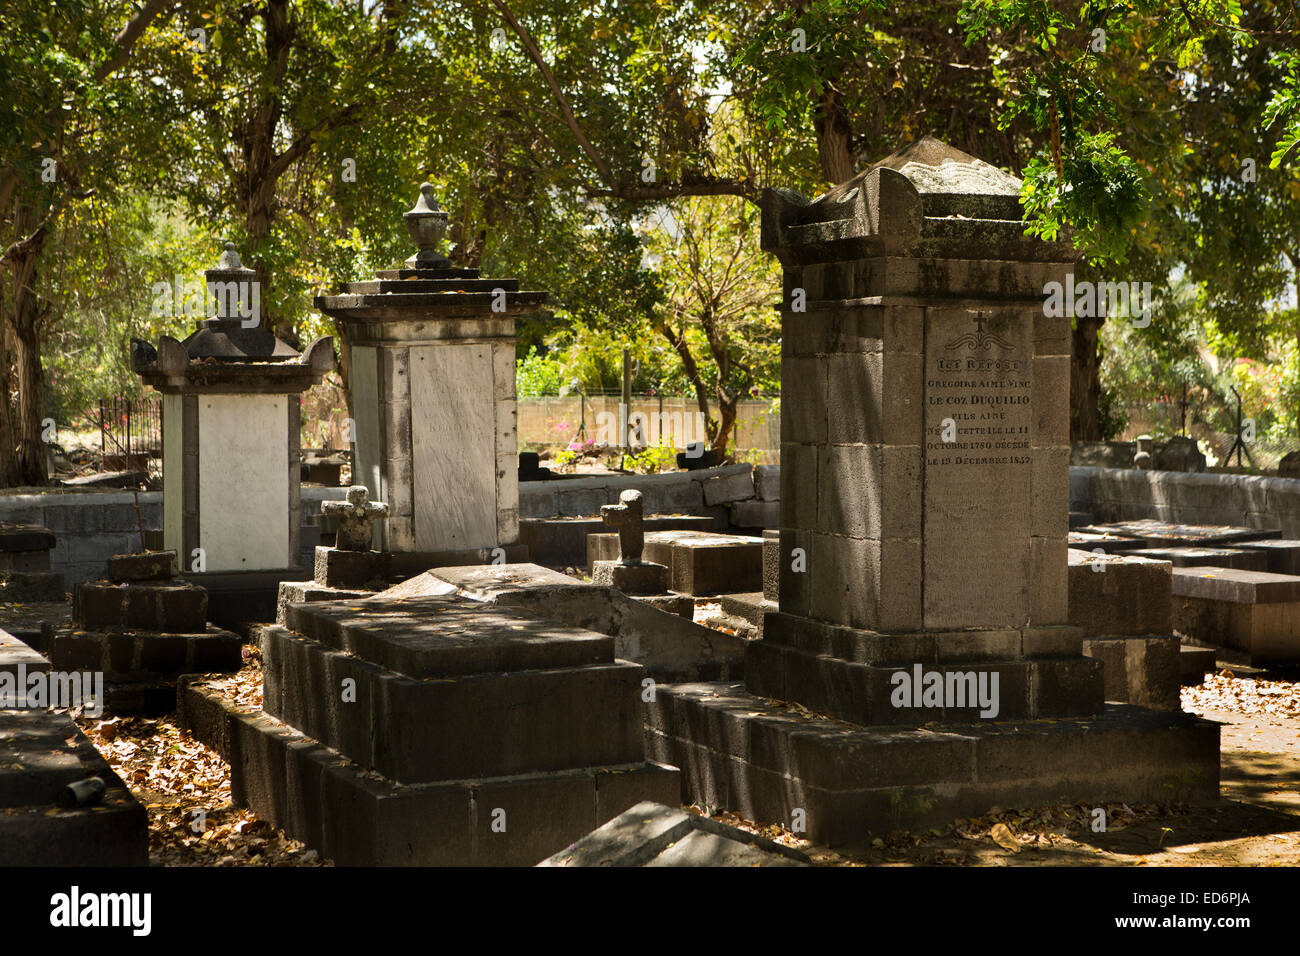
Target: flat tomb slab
[1281, 554]
[651, 834]
[764, 761]
[1232, 584]
[14, 653]
[41, 752]
[1239, 558]
[486, 580]
[1109, 543]
[18, 536]
[1164, 534]
[446, 636]
[1268, 633]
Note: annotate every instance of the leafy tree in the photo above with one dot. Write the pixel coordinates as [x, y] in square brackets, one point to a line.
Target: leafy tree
[64, 132]
[718, 313]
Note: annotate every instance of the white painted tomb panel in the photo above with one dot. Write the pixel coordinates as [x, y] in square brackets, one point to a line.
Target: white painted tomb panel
[244, 481]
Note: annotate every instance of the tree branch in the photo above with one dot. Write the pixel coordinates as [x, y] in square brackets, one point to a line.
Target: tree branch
[606, 174]
[125, 40]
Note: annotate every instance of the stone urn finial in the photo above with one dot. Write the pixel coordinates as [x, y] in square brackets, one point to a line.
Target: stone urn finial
[426, 222]
[229, 261]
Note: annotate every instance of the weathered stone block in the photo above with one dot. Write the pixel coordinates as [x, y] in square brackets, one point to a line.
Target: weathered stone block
[755, 514]
[143, 566]
[644, 578]
[850, 490]
[1139, 670]
[337, 568]
[767, 482]
[1127, 596]
[799, 487]
[721, 490]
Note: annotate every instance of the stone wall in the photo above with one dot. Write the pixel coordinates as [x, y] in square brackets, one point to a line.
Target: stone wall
[739, 496]
[91, 525]
[1126, 494]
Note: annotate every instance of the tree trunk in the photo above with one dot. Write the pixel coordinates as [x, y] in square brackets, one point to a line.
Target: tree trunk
[24, 453]
[833, 131]
[720, 440]
[261, 171]
[692, 369]
[1085, 381]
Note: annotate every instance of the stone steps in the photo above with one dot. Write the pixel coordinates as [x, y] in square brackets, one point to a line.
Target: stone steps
[476, 725]
[738, 751]
[358, 818]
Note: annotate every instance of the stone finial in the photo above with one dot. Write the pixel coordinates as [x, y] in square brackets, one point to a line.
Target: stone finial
[1142, 458]
[356, 518]
[426, 222]
[628, 517]
[229, 261]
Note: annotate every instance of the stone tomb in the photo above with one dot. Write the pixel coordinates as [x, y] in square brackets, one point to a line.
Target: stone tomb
[1241, 558]
[1281, 555]
[25, 574]
[924, 467]
[435, 731]
[1165, 534]
[143, 627]
[1255, 613]
[231, 444]
[702, 563]
[1122, 605]
[432, 388]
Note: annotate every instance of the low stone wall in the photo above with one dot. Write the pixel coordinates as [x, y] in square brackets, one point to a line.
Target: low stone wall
[1126, 494]
[737, 496]
[90, 525]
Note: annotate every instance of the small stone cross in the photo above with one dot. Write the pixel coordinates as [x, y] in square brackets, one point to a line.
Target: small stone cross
[356, 518]
[626, 516]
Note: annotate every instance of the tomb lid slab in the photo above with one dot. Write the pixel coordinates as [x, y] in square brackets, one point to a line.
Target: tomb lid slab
[446, 636]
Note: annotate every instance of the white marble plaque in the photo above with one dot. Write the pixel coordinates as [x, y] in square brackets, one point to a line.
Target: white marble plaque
[453, 447]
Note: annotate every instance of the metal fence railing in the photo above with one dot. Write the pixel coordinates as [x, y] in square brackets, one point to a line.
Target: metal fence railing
[130, 433]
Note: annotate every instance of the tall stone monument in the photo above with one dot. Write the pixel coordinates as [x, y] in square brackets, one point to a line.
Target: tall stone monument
[924, 513]
[230, 424]
[432, 386]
